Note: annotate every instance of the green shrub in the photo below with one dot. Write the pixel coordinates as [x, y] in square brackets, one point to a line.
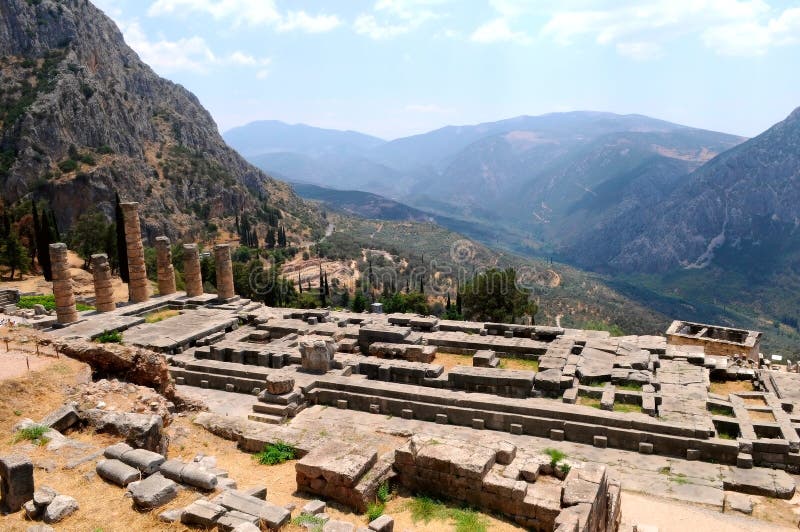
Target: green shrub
[87, 159]
[48, 302]
[276, 453]
[384, 493]
[109, 337]
[375, 510]
[565, 468]
[69, 165]
[555, 456]
[34, 433]
[468, 520]
[426, 509]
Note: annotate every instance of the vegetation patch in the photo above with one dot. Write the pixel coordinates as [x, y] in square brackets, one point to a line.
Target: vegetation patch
[161, 315]
[555, 456]
[627, 408]
[717, 410]
[588, 401]
[313, 523]
[109, 337]
[375, 510]
[33, 433]
[48, 302]
[519, 363]
[630, 386]
[276, 453]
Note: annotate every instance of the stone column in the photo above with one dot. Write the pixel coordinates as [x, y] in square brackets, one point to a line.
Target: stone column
[137, 273]
[62, 284]
[166, 272]
[103, 290]
[224, 266]
[192, 275]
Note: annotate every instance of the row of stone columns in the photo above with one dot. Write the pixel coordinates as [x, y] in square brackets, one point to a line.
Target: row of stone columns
[138, 286]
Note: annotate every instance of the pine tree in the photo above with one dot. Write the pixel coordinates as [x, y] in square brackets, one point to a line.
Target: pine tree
[122, 248]
[14, 255]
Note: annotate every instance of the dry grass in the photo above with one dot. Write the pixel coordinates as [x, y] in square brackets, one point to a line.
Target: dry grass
[519, 363]
[161, 315]
[728, 387]
[761, 415]
[588, 401]
[450, 360]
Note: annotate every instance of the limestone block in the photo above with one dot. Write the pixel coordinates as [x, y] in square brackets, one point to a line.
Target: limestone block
[202, 513]
[153, 492]
[117, 472]
[16, 482]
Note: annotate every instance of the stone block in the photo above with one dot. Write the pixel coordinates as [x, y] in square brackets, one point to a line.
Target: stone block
[61, 419]
[341, 404]
[693, 454]
[744, 460]
[145, 461]
[273, 516]
[280, 383]
[117, 472]
[557, 434]
[384, 523]
[32, 511]
[314, 507]
[259, 492]
[478, 423]
[441, 419]
[43, 496]
[16, 482]
[515, 428]
[62, 507]
[645, 447]
[202, 513]
[374, 409]
[506, 452]
[338, 526]
[245, 527]
[407, 413]
[115, 452]
[153, 492]
[600, 441]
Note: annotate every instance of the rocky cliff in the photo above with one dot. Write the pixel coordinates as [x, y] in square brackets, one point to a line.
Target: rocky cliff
[82, 116]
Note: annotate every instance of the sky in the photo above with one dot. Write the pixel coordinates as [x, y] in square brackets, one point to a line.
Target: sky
[393, 68]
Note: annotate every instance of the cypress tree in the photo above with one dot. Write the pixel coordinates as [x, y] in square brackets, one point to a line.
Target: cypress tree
[54, 225]
[122, 247]
[448, 302]
[44, 237]
[299, 282]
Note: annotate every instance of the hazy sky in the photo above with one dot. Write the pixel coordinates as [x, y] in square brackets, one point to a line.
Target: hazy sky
[398, 67]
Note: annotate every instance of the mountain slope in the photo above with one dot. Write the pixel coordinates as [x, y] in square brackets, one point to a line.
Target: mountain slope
[269, 136]
[742, 204]
[82, 116]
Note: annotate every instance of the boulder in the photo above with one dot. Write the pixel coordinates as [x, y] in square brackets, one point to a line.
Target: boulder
[141, 431]
[62, 507]
[739, 502]
[314, 507]
[16, 482]
[133, 364]
[152, 492]
[43, 496]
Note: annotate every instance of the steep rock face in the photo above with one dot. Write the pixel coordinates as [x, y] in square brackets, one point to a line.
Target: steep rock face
[82, 116]
[746, 201]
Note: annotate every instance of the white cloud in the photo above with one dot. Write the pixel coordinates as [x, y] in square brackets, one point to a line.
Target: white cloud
[300, 20]
[640, 51]
[242, 12]
[262, 74]
[497, 30]
[397, 17]
[190, 53]
[186, 54]
[640, 29]
[253, 13]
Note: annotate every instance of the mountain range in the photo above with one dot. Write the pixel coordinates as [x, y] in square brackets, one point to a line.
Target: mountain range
[692, 223]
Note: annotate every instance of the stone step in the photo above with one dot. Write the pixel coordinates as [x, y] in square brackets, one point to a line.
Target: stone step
[273, 410]
[265, 418]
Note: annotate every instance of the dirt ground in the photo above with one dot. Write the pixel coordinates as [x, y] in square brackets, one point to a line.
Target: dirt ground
[728, 387]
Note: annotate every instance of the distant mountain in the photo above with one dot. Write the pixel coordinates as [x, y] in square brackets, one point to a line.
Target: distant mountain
[81, 116]
[271, 136]
[741, 209]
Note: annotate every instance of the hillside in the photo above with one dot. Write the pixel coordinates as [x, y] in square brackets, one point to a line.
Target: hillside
[564, 294]
[81, 116]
